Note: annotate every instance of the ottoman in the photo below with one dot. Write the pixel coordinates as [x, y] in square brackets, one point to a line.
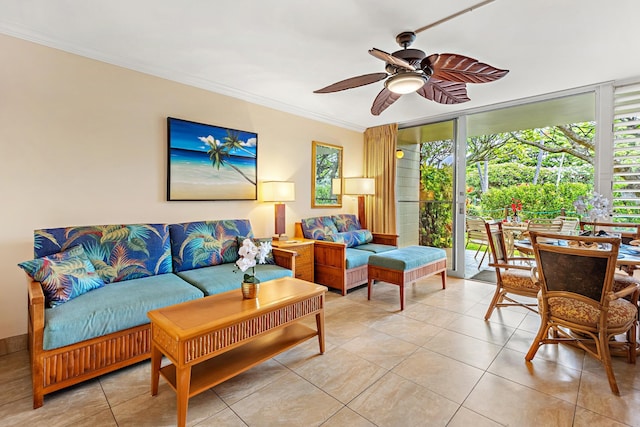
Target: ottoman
[406, 265]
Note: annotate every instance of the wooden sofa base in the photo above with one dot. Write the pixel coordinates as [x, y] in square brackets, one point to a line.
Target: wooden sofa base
[62, 367]
[400, 278]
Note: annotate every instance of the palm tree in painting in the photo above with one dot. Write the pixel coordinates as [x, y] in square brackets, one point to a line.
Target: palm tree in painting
[219, 153]
[232, 140]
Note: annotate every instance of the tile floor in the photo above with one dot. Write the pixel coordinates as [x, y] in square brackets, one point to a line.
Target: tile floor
[436, 363]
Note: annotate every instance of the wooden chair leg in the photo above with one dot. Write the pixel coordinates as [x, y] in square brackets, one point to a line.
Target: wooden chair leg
[494, 302]
[605, 356]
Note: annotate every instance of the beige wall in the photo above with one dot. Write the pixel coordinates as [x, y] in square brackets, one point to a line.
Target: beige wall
[83, 142]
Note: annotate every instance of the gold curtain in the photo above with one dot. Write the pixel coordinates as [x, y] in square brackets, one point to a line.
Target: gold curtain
[380, 163]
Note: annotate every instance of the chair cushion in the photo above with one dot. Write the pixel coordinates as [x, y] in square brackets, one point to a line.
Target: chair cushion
[112, 308]
[621, 311]
[318, 227]
[117, 252]
[518, 279]
[226, 277]
[206, 243]
[376, 248]
[356, 258]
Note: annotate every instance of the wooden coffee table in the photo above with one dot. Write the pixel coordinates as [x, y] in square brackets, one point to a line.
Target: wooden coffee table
[212, 339]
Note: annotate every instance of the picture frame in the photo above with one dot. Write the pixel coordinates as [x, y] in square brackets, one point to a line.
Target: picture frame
[208, 162]
[326, 168]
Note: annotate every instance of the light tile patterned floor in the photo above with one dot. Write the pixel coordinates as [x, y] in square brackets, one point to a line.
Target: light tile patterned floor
[437, 363]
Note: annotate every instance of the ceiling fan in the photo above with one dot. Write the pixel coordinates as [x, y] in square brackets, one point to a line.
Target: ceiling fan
[441, 77]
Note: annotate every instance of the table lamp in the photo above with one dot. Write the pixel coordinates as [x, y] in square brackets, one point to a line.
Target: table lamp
[279, 191]
[360, 187]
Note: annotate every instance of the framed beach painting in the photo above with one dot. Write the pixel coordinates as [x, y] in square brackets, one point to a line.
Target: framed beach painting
[209, 162]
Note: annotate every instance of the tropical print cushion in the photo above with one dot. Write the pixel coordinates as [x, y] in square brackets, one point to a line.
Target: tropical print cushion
[206, 243]
[518, 279]
[118, 252]
[318, 227]
[621, 311]
[351, 238]
[346, 222]
[64, 275]
[258, 241]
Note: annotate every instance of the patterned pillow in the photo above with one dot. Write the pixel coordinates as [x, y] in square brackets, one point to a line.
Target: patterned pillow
[257, 241]
[346, 222]
[318, 228]
[64, 275]
[206, 243]
[117, 251]
[352, 238]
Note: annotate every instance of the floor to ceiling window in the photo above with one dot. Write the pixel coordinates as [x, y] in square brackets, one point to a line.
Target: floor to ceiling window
[433, 199]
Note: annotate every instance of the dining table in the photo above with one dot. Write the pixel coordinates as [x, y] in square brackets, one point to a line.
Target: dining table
[628, 255]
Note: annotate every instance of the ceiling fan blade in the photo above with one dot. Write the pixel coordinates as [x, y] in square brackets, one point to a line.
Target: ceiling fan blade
[459, 68]
[383, 100]
[353, 82]
[444, 92]
[387, 57]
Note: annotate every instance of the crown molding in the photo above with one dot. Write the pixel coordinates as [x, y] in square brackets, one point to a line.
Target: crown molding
[174, 76]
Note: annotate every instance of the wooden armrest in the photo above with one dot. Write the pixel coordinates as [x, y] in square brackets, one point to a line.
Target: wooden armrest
[330, 253]
[624, 292]
[385, 239]
[35, 306]
[523, 258]
[35, 293]
[285, 258]
[511, 266]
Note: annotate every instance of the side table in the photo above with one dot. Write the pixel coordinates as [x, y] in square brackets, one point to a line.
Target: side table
[304, 260]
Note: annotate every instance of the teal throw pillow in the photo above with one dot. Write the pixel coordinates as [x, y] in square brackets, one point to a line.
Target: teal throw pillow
[260, 241]
[64, 275]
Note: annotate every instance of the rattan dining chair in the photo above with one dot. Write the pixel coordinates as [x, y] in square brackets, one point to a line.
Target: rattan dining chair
[577, 304]
[513, 274]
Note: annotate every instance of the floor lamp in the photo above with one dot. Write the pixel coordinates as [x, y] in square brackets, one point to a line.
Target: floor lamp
[360, 187]
[279, 191]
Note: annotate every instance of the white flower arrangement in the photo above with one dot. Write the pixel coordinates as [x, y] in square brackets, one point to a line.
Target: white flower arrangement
[597, 207]
[248, 254]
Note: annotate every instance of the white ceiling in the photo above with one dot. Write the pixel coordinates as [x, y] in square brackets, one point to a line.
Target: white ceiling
[275, 53]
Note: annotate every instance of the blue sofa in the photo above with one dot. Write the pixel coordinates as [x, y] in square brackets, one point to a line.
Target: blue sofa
[116, 274]
[342, 249]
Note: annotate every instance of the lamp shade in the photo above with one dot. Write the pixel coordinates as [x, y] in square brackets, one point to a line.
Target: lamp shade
[405, 82]
[336, 186]
[278, 191]
[359, 186]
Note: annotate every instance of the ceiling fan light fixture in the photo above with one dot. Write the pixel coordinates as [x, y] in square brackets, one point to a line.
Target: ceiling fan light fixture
[403, 83]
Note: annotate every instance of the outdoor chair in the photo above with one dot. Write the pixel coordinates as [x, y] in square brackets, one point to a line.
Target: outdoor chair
[545, 224]
[476, 233]
[513, 274]
[570, 224]
[577, 303]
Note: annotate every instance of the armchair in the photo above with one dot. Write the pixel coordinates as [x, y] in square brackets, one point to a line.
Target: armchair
[340, 261]
[577, 303]
[513, 274]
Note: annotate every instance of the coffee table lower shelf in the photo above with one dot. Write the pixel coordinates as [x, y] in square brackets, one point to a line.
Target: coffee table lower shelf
[220, 368]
